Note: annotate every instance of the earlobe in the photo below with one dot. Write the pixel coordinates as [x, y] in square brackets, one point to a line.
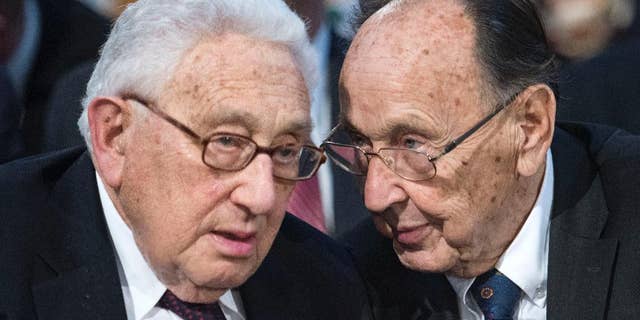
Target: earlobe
[109, 119]
[536, 122]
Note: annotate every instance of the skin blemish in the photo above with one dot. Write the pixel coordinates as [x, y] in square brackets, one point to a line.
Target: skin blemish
[464, 163]
[425, 52]
[493, 199]
[498, 159]
[457, 102]
[431, 95]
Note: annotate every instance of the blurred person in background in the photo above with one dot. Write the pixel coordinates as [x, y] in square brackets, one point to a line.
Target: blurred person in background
[328, 26]
[599, 44]
[41, 40]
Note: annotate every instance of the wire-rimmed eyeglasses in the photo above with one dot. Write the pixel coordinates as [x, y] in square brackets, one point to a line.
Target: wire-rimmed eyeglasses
[410, 164]
[232, 152]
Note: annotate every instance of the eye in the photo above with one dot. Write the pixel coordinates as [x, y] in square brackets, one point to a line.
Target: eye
[359, 140]
[227, 143]
[286, 153]
[410, 143]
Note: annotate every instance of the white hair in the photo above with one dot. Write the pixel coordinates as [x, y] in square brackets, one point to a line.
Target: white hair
[151, 36]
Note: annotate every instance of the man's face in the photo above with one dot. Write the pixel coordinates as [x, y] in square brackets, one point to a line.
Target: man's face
[420, 89]
[203, 230]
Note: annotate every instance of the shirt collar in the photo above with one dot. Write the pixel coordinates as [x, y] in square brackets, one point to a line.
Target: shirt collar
[525, 260]
[140, 285]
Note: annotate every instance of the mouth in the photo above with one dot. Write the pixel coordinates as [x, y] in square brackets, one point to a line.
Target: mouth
[234, 244]
[411, 237]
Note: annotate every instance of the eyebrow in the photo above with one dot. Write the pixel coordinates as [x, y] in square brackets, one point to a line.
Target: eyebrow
[394, 128]
[252, 122]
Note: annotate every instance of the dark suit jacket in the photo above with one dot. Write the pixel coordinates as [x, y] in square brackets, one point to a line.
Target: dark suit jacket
[57, 260]
[593, 270]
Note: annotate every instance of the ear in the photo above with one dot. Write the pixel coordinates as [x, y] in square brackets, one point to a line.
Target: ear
[109, 121]
[536, 120]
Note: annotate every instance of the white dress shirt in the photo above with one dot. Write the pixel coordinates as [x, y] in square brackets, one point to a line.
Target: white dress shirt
[524, 262]
[141, 288]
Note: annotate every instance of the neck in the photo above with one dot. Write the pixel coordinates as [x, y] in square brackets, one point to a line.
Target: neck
[513, 214]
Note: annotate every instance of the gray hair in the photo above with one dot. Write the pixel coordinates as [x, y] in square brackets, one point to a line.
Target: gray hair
[151, 36]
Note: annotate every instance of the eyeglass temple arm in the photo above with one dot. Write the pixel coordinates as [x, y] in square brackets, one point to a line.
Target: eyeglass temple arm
[166, 117]
[453, 144]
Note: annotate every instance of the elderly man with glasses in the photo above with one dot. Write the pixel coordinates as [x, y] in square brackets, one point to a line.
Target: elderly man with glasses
[492, 210]
[197, 128]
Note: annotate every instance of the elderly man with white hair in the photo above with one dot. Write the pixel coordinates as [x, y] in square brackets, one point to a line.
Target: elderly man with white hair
[197, 127]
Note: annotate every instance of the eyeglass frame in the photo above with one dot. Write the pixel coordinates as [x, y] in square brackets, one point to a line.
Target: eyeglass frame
[204, 141]
[448, 148]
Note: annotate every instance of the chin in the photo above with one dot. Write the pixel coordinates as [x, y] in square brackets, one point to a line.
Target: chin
[425, 262]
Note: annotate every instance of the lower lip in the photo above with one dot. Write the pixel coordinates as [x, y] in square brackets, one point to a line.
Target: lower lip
[413, 237]
[233, 247]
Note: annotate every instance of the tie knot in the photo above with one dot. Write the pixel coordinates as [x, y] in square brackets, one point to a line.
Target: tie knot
[496, 295]
[190, 311]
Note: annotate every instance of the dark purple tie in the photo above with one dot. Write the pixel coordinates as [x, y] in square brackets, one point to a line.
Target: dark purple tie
[190, 311]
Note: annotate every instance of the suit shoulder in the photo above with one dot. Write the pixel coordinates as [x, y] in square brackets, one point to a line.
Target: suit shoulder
[17, 175]
[307, 266]
[603, 143]
[300, 236]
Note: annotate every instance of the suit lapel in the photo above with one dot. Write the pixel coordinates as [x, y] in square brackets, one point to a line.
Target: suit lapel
[271, 293]
[580, 263]
[76, 271]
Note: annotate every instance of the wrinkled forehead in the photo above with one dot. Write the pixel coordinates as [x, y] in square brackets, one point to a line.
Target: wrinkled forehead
[419, 53]
[232, 75]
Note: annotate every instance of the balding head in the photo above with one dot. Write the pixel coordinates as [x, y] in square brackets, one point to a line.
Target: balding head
[421, 79]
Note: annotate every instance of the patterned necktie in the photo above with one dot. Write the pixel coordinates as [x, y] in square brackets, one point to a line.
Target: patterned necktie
[190, 311]
[496, 295]
[306, 203]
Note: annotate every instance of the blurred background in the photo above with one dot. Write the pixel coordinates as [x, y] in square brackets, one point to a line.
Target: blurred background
[598, 45]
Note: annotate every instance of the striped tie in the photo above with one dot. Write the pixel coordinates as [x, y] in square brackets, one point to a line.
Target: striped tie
[306, 203]
[190, 311]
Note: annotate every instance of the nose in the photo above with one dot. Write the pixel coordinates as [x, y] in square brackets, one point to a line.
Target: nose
[256, 189]
[382, 186]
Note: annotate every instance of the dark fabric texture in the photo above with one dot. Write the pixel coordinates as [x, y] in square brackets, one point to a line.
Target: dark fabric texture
[11, 145]
[594, 246]
[60, 129]
[70, 34]
[58, 261]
